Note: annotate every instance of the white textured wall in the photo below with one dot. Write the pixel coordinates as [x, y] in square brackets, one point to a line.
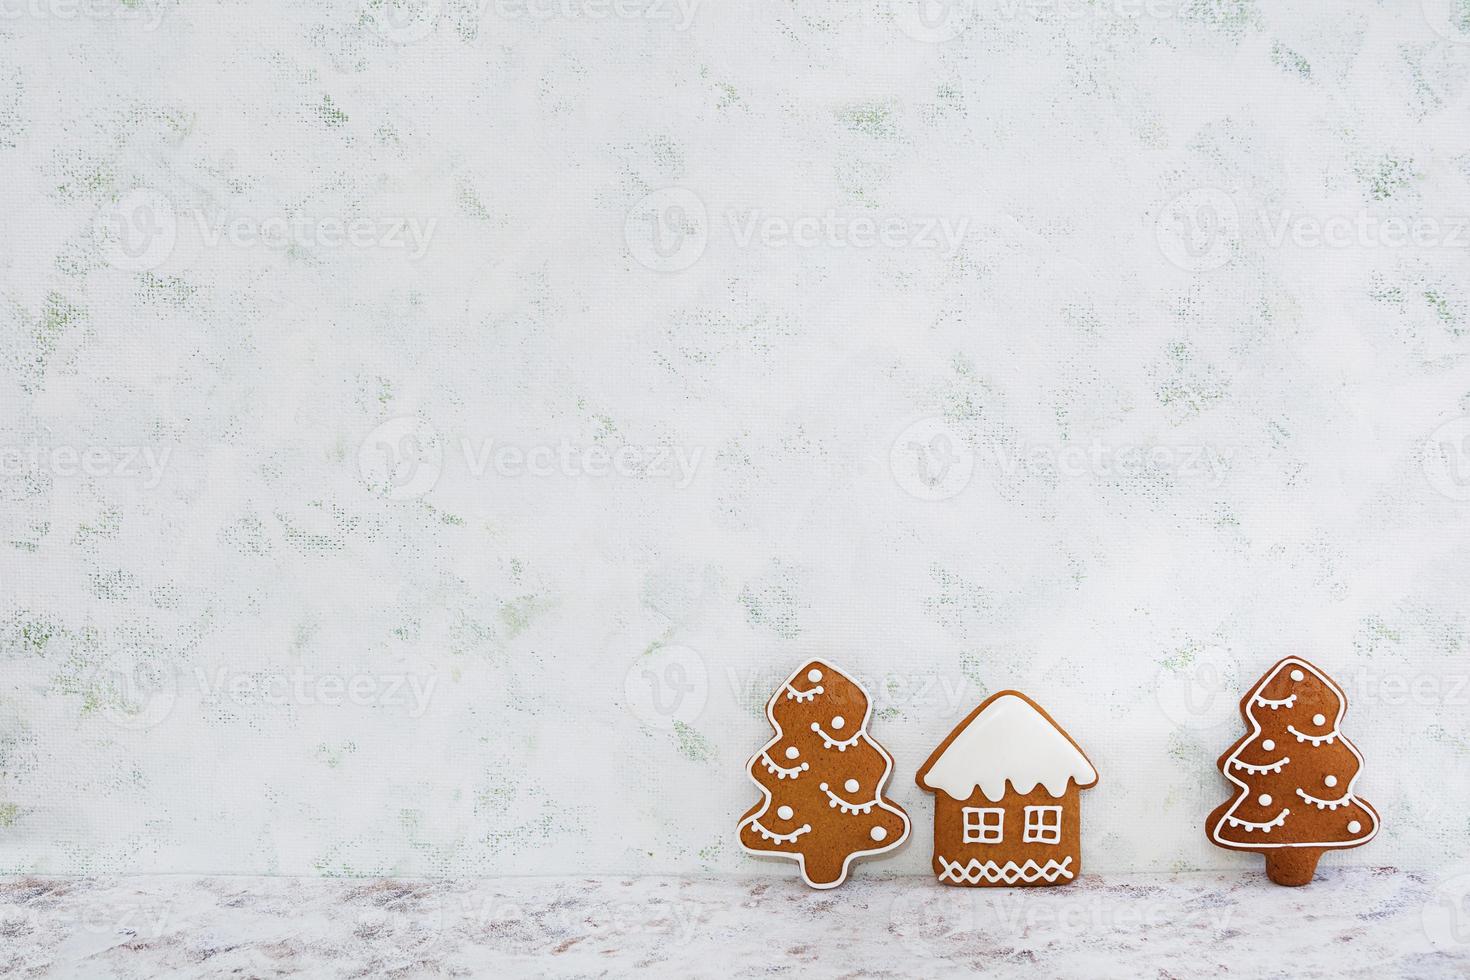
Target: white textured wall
[1064, 261]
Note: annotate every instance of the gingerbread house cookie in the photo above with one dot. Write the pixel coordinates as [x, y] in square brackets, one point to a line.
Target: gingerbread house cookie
[1006, 785]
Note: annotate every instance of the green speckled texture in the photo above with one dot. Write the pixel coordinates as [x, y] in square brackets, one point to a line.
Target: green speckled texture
[431, 428]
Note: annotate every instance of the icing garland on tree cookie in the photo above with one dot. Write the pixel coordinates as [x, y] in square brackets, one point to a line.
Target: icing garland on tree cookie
[1295, 775]
[822, 800]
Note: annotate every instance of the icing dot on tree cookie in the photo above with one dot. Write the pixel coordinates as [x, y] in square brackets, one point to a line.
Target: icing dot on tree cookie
[851, 785]
[878, 834]
[805, 816]
[1263, 813]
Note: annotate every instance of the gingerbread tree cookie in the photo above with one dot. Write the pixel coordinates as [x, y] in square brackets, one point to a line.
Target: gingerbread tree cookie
[821, 778]
[1295, 775]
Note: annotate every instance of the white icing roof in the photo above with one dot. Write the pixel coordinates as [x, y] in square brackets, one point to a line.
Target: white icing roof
[1008, 740]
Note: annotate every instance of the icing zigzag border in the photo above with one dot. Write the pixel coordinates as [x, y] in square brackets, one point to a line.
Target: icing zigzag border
[1009, 873]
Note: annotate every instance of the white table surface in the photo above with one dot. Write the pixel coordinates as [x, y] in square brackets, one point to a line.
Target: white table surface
[1358, 922]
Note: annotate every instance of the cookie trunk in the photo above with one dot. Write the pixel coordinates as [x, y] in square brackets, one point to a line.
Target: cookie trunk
[1292, 867]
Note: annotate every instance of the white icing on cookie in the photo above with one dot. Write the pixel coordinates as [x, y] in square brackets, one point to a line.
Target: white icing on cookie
[1324, 804]
[1266, 827]
[883, 841]
[1297, 672]
[1009, 741]
[975, 871]
[1260, 770]
[1329, 738]
[780, 771]
[776, 838]
[833, 800]
[833, 742]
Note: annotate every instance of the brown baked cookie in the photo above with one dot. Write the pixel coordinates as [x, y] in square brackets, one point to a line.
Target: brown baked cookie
[1295, 776]
[1006, 785]
[821, 780]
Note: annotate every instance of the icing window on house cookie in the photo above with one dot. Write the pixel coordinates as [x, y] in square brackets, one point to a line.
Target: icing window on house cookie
[983, 824]
[1043, 825]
